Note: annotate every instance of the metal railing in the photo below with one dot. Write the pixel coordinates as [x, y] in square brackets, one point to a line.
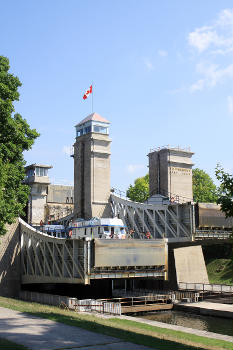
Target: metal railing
[178, 148]
[100, 306]
[209, 234]
[205, 287]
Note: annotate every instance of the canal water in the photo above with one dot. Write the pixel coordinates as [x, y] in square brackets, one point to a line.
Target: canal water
[184, 319]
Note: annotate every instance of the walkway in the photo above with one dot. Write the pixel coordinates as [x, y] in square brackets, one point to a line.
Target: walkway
[42, 334]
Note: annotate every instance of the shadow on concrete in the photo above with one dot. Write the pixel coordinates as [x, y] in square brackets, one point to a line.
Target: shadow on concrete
[10, 261]
[56, 336]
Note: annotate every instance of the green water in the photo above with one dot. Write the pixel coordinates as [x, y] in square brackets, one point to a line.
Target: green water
[184, 319]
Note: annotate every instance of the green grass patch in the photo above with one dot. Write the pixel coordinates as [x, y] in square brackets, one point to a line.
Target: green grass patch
[9, 345]
[175, 334]
[132, 331]
[220, 271]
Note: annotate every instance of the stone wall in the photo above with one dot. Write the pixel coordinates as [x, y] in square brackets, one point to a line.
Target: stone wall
[10, 261]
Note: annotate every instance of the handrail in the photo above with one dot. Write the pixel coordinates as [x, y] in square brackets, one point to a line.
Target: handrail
[206, 287]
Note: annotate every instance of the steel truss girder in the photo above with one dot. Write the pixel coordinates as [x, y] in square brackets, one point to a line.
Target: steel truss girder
[45, 258]
[173, 222]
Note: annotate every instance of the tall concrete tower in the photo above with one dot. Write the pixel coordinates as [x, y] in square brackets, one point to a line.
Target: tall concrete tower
[37, 178]
[170, 173]
[92, 168]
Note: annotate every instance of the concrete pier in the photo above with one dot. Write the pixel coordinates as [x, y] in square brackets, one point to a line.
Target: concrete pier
[207, 308]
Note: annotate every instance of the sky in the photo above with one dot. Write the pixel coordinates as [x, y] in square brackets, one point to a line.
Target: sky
[162, 74]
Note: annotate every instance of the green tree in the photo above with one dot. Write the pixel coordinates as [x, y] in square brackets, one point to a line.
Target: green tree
[140, 191]
[204, 189]
[226, 196]
[15, 137]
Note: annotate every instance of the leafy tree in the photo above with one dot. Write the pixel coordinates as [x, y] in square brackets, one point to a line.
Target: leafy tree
[226, 196]
[204, 189]
[15, 137]
[140, 191]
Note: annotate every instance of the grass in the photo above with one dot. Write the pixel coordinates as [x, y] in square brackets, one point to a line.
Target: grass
[220, 271]
[8, 345]
[132, 331]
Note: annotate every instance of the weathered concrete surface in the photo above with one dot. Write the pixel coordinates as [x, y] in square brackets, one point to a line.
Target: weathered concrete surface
[92, 173]
[190, 265]
[10, 261]
[207, 308]
[170, 171]
[38, 333]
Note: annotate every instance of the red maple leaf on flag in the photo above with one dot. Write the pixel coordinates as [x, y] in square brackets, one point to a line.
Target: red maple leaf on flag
[87, 93]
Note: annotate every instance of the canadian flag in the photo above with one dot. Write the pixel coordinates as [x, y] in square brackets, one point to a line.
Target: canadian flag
[87, 93]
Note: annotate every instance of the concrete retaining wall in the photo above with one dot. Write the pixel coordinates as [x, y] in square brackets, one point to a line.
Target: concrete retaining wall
[190, 265]
[10, 261]
[83, 305]
[49, 299]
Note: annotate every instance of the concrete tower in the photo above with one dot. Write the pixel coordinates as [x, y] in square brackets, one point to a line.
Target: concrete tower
[37, 178]
[92, 168]
[170, 173]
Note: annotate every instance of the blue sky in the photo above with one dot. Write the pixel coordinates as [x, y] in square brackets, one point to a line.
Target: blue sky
[162, 73]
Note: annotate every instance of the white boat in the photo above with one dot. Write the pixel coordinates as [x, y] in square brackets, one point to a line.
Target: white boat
[105, 228]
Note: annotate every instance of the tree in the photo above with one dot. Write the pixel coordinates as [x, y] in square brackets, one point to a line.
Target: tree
[140, 191]
[226, 196]
[15, 137]
[204, 189]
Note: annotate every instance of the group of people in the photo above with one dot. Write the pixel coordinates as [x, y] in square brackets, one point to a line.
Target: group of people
[147, 234]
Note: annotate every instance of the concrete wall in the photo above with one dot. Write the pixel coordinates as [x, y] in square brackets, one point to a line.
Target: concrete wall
[190, 265]
[60, 194]
[10, 261]
[92, 176]
[170, 172]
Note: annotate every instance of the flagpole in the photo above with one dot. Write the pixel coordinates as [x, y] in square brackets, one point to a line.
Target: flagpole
[92, 97]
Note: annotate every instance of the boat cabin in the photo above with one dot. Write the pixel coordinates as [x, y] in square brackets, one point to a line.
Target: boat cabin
[105, 228]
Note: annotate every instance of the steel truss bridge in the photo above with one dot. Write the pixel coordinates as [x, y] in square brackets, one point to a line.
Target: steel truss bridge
[47, 259]
[174, 222]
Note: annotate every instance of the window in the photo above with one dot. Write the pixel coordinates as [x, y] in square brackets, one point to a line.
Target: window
[87, 129]
[41, 171]
[106, 228]
[30, 172]
[79, 132]
[100, 129]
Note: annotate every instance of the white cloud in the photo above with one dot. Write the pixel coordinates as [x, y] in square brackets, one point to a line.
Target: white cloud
[162, 53]
[230, 104]
[211, 43]
[67, 150]
[198, 86]
[202, 38]
[133, 168]
[212, 74]
[149, 65]
[225, 18]
[218, 35]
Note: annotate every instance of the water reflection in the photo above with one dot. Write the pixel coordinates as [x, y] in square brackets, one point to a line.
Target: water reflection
[205, 323]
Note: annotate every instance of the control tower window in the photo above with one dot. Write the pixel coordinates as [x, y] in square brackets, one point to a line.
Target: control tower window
[100, 129]
[30, 172]
[41, 171]
[87, 129]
